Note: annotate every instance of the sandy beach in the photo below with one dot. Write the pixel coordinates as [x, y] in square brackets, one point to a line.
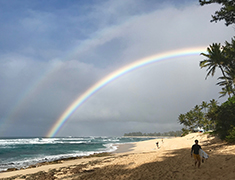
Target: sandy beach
[143, 160]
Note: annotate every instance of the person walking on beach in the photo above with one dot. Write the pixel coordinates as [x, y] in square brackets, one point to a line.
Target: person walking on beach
[157, 145]
[195, 153]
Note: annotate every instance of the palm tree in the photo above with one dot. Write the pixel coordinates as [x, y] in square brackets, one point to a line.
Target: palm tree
[198, 115]
[205, 121]
[230, 51]
[227, 89]
[212, 112]
[182, 120]
[230, 67]
[213, 103]
[204, 105]
[228, 81]
[190, 119]
[216, 57]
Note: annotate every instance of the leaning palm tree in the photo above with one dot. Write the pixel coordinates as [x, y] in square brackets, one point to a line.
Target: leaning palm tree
[216, 58]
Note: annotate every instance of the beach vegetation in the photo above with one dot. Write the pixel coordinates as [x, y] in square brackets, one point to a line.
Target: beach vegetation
[225, 119]
[220, 120]
[199, 118]
[226, 12]
[221, 57]
[231, 135]
[185, 132]
[214, 118]
[170, 133]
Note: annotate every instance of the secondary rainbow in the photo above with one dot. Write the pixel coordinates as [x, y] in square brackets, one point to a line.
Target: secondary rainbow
[114, 75]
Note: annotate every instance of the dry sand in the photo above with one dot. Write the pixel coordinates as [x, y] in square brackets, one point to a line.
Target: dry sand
[144, 161]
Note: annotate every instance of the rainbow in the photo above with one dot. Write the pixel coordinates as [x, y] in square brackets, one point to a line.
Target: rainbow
[24, 98]
[114, 75]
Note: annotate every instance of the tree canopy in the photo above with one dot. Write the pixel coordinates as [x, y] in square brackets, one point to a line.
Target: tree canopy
[222, 57]
[225, 118]
[220, 119]
[226, 12]
[198, 117]
[170, 133]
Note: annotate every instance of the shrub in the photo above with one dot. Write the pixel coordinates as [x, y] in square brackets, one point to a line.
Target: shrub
[184, 132]
[225, 118]
[231, 135]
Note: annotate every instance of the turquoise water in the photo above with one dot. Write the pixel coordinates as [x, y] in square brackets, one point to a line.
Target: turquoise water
[23, 152]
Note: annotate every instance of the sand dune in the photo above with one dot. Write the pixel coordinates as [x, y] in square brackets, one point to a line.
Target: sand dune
[145, 161]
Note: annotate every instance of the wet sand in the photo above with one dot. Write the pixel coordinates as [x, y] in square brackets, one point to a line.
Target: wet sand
[143, 160]
[124, 148]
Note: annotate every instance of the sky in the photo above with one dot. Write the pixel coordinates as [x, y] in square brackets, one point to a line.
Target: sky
[53, 51]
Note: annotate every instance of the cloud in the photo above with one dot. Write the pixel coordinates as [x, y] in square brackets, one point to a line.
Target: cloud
[183, 85]
[56, 58]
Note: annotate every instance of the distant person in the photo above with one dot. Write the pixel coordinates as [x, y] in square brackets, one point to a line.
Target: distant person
[162, 141]
[157, 145]
[195, 153]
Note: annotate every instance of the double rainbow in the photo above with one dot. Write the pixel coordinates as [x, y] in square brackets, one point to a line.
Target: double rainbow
[114, 75]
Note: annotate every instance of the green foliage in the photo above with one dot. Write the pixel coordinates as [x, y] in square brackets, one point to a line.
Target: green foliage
[134, 134]
[221, 118]
[225, 118]
[222, 57]
[170, 133]
[231, 135]
[185, 132]
[218, 118]
[215, 57]
[198, 117]
[227, 11]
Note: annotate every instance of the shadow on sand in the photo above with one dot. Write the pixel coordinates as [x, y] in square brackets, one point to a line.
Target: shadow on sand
[175, 164]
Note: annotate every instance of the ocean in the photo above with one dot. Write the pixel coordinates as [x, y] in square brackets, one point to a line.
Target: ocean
[23, 152]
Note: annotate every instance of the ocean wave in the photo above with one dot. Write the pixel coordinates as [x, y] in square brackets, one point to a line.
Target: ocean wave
[23, 152]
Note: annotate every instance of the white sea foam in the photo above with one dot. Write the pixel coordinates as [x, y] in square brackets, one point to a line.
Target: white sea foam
[23, 152]
[110, 147]
[24, 163]
[4, 142]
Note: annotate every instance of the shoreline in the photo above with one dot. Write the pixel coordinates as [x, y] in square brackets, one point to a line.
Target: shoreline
[124, 148]
[46, 166]
[121, 148]
[140, 160]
